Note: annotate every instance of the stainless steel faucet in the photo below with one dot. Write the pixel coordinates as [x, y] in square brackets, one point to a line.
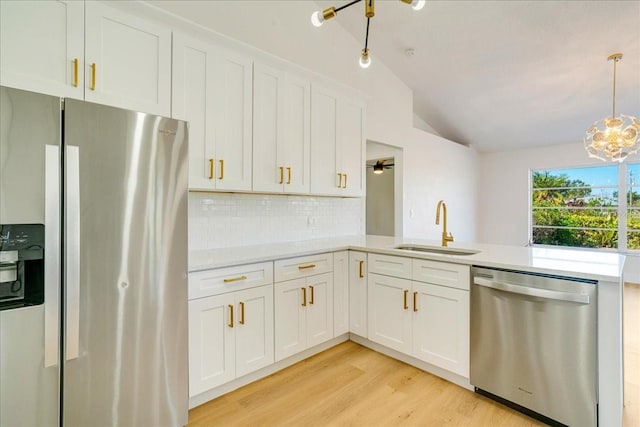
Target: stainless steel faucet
[446, 238]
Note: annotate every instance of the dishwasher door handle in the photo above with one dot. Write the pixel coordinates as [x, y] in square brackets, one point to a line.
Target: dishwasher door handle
[532, 292]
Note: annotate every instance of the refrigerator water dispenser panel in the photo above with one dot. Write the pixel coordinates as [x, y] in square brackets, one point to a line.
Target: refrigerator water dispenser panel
[21, 265]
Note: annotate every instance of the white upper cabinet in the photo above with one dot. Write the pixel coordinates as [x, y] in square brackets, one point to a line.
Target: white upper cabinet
[281, 131]
[337, 144]
[42, 46]
[86, 51]
[127, 62]
[212, 90]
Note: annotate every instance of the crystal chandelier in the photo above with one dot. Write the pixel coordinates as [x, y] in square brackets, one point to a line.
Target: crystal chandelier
[613, 138]
[318, 18]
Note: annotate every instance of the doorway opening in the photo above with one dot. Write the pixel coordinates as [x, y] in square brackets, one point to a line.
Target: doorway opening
[384, 190]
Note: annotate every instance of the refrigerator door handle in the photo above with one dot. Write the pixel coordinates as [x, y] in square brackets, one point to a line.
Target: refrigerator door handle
[52, 256]
[72, 285]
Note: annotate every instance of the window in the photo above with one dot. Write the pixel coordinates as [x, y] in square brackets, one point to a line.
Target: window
[581, 207]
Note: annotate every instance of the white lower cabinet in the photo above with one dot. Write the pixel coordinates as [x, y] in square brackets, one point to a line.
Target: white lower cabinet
[303, 313]
[441, 327]
[340, 293]
[423, 319]
[230, 335]
[389, 312]
[358, 293]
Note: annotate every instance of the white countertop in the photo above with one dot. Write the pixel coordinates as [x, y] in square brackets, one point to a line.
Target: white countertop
[588, 264]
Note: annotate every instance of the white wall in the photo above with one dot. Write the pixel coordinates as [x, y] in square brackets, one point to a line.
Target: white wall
[434, 168]
[380, 202]
[503, 188]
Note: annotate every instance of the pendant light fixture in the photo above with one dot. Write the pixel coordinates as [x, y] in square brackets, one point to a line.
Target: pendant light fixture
[613, 138]
[318, 18]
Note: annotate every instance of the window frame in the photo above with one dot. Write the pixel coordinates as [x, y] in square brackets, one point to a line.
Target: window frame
[622, 209]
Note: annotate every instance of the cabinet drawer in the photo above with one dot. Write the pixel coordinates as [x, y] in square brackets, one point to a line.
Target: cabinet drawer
[294, 268]
[441, 273]
[222, 280]
[390, 265]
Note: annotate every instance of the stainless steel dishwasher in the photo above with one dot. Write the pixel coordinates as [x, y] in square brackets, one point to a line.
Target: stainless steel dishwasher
[533, 343]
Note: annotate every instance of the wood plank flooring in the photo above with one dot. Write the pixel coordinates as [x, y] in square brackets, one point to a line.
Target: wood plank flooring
[350, 385]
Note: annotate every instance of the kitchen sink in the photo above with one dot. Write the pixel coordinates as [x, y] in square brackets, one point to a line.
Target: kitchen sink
[437, 250]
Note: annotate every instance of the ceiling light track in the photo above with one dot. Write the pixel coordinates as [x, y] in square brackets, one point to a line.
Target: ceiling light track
[318, 18]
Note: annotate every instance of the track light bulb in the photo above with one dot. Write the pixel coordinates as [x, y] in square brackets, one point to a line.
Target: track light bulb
[418, 4]
[365, 59]
[317, 19]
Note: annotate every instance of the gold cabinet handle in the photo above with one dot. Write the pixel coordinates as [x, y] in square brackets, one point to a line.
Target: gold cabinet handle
[306, 267]
[231, 315]
[221, 169]
[345, 180]
[235, 279]
[241, 313]
[339, 180]
[281, 175]
[406, 294]
[75, 72]
[304, 297]
[361, 269]
[212, 166]
[93, 76]
[415, 301]
[289, 175]
[311, 301]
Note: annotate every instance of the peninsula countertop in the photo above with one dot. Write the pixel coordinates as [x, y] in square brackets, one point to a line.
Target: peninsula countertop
[588, 264]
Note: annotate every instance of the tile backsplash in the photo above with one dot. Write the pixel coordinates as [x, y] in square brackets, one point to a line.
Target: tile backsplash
[219, 220]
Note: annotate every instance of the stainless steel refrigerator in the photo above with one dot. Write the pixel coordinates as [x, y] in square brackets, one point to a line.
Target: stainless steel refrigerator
[93, 265]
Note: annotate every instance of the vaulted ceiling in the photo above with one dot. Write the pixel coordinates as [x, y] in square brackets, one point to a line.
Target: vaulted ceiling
[507, 74]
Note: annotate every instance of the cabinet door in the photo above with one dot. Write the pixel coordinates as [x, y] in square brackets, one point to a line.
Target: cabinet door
[211, 343]
[269, 172]
[441, 327]
[389, 310]
[340, 293]
[296, 136]
[358, 293]
[254, 329]
[193, 101]
[232, 98]
[40, 44]
[350, 157]
[319, 309]
[127, 61]
[324, 140]
[290, 301]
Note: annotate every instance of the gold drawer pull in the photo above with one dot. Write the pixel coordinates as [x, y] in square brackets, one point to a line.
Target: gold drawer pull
[241, 313]
[281, 175]
[93, 76]
[231, 315]
[211, 168]
[311, 301]
[304, 297]
[306, 267]
[288, 175]
[415, 301]
[221, 169]
[235, 279]
[406, 294]
[361, 269]
[339, 180]
[75, 72]
[345, 180]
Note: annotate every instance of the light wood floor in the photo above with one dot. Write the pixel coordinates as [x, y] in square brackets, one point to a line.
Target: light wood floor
[350, 385]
